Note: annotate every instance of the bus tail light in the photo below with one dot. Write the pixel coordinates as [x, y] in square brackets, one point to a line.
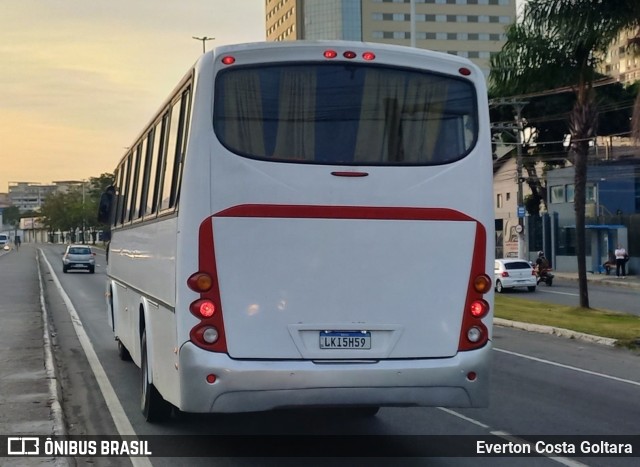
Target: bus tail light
[203, 308]
[473, 332]
[482, 284]
[200, 282]
[479, 308]
[204, 335]
[209, 332]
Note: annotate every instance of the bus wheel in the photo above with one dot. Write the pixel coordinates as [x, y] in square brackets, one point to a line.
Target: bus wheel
[154, 407]
[123, 353]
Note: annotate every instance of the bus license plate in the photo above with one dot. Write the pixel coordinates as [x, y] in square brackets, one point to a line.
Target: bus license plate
[345, 340]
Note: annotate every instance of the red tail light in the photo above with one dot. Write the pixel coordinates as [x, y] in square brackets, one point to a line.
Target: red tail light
[504, 274]
[203, 308]
[349, 54]
[479, 308]
[369, 56]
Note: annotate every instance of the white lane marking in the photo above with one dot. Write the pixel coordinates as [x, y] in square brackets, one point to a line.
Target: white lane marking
[459, 415]
[514, 439]
[123, 425]
[569, 367]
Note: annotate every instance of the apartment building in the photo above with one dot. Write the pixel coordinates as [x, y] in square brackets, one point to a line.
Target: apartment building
[623, 62]
[469, 28]
[29, 196]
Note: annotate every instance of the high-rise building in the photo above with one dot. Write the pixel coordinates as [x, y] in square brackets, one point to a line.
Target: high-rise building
[469, 28]
[623, 62]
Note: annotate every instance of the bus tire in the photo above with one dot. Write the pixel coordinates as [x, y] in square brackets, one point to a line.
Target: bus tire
[154, 407]
[123, 353]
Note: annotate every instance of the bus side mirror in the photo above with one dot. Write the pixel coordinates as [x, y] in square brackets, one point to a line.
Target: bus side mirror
[105, 205]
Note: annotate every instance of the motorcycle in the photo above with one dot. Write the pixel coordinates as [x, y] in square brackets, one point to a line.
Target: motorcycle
[544, 275]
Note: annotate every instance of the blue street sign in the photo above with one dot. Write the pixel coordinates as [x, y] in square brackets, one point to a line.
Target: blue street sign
[521, 211]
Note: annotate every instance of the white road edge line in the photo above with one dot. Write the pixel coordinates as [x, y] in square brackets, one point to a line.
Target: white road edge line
[50, 368]
[123, 425]
[568, 367]
[560, 293]
[508, 437]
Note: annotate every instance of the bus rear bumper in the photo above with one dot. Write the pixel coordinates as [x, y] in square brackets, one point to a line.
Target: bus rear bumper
[256, 385]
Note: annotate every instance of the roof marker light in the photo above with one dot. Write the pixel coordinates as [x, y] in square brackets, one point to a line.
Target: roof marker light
[368, 56]
[330, 54]
[349, 54]
[464, 71]
[228, 60]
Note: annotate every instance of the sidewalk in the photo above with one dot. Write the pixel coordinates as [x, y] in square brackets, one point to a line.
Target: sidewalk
[602, 279]
[28, 394]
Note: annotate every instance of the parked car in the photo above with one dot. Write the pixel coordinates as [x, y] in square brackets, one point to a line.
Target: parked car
[511, 272]
[78, 257]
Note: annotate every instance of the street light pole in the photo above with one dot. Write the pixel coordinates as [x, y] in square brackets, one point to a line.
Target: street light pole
[203, 39]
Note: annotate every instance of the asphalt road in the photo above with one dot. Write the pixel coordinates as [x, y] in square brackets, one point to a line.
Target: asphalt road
[541, 385]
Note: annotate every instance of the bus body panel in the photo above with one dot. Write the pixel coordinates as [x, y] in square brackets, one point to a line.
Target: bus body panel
[252, 385]
[388, 277]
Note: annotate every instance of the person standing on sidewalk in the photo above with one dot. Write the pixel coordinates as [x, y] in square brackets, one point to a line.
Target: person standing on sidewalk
[17, 241]
[621, 260]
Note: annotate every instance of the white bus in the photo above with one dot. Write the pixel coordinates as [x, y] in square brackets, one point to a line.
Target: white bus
[308, 224]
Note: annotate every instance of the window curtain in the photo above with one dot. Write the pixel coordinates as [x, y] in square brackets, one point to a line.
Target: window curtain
[297, 115]
[243, 129]
[400, 118]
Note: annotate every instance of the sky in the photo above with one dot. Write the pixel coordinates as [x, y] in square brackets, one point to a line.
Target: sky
[80, 78]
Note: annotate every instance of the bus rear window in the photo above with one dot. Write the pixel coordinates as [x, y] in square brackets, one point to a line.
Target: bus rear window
[345, 114]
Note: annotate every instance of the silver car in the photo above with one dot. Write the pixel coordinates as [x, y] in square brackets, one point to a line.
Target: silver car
[509, 273]
[78, 257]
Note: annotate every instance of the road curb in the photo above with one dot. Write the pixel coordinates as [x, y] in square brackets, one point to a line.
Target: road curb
[555, 331]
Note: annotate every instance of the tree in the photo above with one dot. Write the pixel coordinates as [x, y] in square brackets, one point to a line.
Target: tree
[561, 42]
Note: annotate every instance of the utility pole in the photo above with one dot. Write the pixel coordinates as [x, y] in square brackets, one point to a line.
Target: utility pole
[518, 127]
[203, 39]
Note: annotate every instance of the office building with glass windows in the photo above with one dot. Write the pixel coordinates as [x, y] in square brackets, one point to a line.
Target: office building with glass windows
[469, 28]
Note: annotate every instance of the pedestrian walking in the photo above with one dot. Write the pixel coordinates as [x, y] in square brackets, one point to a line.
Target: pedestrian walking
[17, 241]
[621, 261]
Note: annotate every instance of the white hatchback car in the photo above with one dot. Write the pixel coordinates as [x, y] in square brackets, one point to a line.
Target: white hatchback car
[512, 272]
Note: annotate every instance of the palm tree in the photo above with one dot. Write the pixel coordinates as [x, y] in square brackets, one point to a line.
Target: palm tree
[560, 43]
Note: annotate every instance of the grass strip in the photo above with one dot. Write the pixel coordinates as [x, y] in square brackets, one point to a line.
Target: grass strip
[624, 328]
